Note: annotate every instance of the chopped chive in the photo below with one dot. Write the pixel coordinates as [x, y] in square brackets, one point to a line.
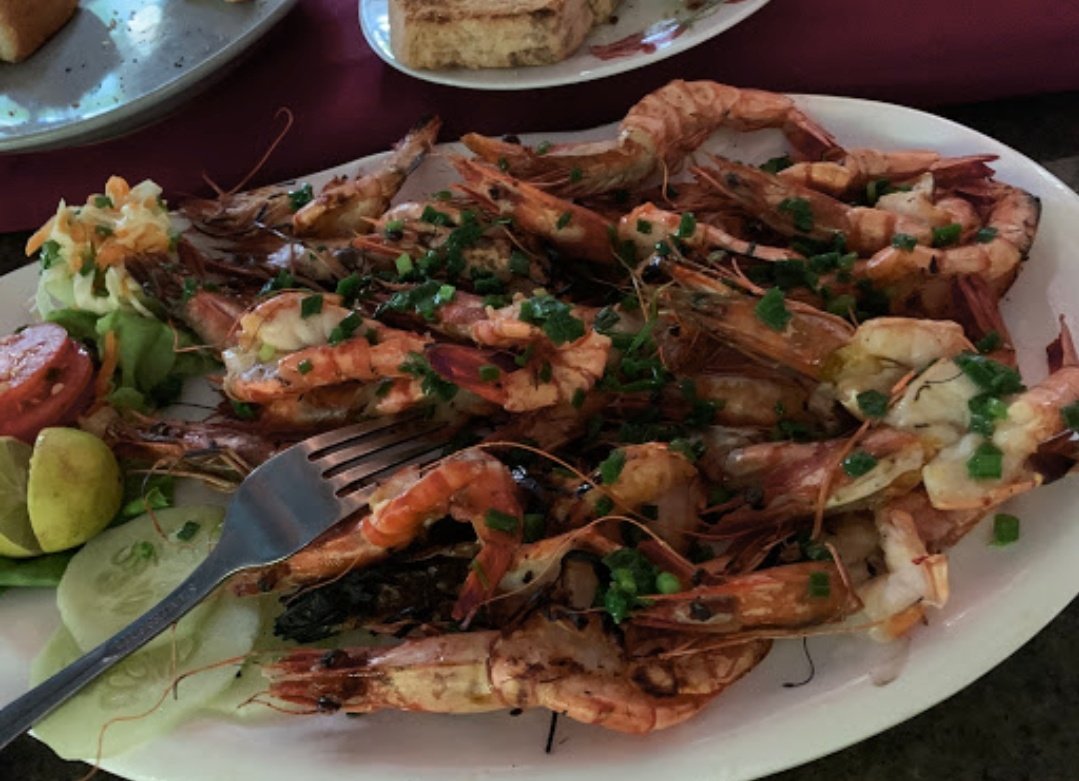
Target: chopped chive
[103, 202]
[989, 375]
[300, 197]
[188, 531]
[500, 521]
[604, 505]
[800, 211]
[304, 366]
[489, 373]
[393, 228]
[404, 264]
[563, 220]
[686, 226]
[1070, 414]
[820, 585]
[904, 241]
[774, 165]
[445, 294]
[947, 235]
[349, 289]
[644, 226]
[535, 526]
[575, 174]
[985, 235]
[243, 410]
[345, 329]
[772, 310]
[858, 463]
[1005, 529]
[873, 403]
[987, 463]
[991, 341]
[611, 467]
[311, 305]
[543, 148]
[519, 263]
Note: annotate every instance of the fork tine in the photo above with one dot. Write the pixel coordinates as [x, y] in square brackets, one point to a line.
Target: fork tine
[322, 444]
[354, 450]
[406, 453]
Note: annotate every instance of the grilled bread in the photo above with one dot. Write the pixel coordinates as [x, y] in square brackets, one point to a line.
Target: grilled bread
[436, 34]
[26, 24]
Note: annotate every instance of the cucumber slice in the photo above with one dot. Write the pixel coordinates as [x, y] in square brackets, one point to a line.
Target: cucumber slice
[126, 570]
[136, 685]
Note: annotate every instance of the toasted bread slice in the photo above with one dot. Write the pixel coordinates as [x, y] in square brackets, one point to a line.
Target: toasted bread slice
[436, 34]
[26, 24]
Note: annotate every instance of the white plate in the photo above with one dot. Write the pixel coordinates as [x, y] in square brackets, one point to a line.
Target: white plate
[119, 63]
[1001, 596]
[654, 18]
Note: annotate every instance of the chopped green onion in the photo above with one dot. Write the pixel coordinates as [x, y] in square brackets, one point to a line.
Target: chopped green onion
[543, 148]
[644, 226]
[435, 217]
[1070, 414]
[563, 220]
[519, 263]
[873, 403]
[686, 226]
[1005, 529]
[346, 328]
[990, 375]
[985, 235]
[310, 305]
[103, 202]
[668, 583]
[604, 505]
[820, 585]
[991, 341]
[904, 241]
[858, 463]
[489, 373]
[392, 228]
[772, 310]
[611, 467]
[575, 174]
[578, 398]
[300, 197]
[987, 463]
[188, 531]
[800, 211]
[50, 253]
[304, 366]
[985, 411]
[774, 165]
[500, 521]
[243, 410]
[947, 235]
[535, 526]
[404, 264]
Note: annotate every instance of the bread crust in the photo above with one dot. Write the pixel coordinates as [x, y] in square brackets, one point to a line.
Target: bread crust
[26, 24]
[435, 34]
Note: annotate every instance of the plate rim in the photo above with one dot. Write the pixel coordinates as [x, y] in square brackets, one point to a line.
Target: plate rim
[461, 78]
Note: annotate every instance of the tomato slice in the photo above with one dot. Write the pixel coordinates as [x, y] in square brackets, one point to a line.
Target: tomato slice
[47, 384]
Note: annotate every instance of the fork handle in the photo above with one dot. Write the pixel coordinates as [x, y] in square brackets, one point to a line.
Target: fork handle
[27, 710]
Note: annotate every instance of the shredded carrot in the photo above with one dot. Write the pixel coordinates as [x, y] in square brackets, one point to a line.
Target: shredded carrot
[109, 361]
[33, 244]
[117, 189]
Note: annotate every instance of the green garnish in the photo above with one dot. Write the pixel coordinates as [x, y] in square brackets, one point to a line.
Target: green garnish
[154, 499]
[304, 366]
[500, 521]
[346, 328]
[435, 217]
[772, 310]
[820, 585]
[858, 463]
[985, 411]
[103, 202]
[987, 463]
[644, 226]
[431, 383]
[310, 305]
[300, 197]
[266, 353]
[535, 527]
[947, 235]
[604, 505]
[991, 341]
[555, 318]
[403, 262]
[800, 211]
[611, 467]
[904, 241]
[631, 575]
[489, 373]
[519, 263]
[563, 220]
[88, 261]
[50, 253]
[578, 398]
[102, 230]
[686, 226]
[774, 165]
[985, 235]
[244, 410]
[187, 532]
[575, 174]
[282, 281]
[872, 403]
[1005, 529]
[543, 147]
[393, 228]
[989, 375]
[668, 583]
[1070, 414]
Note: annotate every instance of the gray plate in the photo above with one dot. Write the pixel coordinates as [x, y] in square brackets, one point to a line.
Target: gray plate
[119, 63]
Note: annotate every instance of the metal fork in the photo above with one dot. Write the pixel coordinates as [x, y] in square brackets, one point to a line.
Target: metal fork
[282, 506]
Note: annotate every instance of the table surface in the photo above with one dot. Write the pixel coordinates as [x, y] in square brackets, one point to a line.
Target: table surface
[1017, 722]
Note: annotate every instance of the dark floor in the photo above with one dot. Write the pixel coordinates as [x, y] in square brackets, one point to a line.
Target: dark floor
[1020, 721]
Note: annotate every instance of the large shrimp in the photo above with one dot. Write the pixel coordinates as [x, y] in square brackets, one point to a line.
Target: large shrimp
[648, 225]
[859, 167]
[346, 206]
[282, 350]
[467, 486]
[580, 232]
[657, 133]
[995, 254]
[794, 210]
[573, 666]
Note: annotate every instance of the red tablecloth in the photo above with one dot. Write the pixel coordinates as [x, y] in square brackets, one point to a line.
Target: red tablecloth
[348, 103]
